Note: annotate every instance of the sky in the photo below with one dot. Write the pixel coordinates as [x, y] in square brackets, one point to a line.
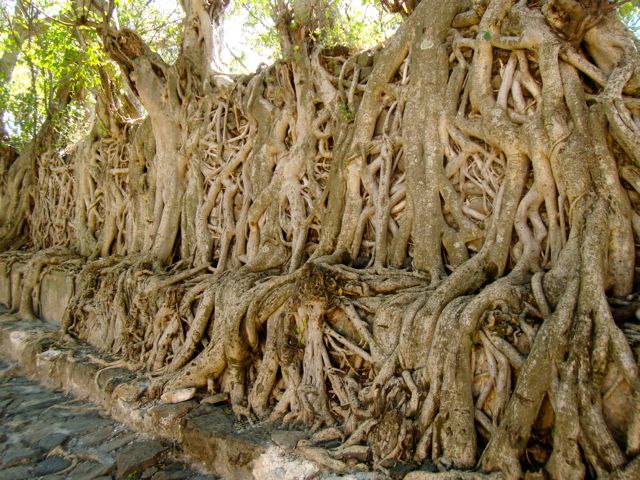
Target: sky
[234, 41]
[237, 41]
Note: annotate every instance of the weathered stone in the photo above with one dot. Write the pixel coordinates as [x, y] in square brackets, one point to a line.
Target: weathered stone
[21, 380]
[86, 423]
[97, 437]
[92, 470]
[15, 424]
[15, 473]
[215, 399]
[138, 456]
[5, 395]
[18, 456]
[210, 435]
[53, 440]
[149, 472]
[177, 396]
[47, 362]
[51, 465]
[37, 405]
[169, 475]
[275, 464]
[48, 430]
[288, 438]
[167, 417]
[32, 428]
[56, 289]
[117, 442]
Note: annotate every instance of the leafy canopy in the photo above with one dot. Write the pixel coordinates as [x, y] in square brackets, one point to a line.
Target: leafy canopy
[40, 52]
[253, 36]
[51, 54]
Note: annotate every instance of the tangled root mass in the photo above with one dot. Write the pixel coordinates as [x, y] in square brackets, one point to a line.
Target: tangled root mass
[425, 252]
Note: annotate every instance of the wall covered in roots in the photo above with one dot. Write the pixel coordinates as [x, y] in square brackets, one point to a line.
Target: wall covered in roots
[425, 251]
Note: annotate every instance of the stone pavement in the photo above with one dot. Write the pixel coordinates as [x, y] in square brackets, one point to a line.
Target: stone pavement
[45, 434]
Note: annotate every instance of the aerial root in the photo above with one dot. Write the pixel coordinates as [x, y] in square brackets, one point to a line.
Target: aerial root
[430, 364]
[304, 349]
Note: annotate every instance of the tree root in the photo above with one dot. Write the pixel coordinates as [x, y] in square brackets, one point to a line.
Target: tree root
[411, 252]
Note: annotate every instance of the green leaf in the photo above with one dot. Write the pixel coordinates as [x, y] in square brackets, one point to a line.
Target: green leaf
[486, 36]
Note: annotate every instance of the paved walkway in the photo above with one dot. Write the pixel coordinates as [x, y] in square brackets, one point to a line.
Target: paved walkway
[46, 434]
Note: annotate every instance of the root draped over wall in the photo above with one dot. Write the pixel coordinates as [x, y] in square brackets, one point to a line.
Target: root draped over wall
[426, 251]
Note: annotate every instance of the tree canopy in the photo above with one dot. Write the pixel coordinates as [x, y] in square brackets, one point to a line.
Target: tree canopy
[57, 50]
[43, 43]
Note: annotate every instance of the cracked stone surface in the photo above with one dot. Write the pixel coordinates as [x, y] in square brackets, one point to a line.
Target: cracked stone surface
[46, 434]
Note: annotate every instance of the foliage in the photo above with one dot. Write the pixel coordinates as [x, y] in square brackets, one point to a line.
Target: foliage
[158, 22]
[52, 56]
[630, 14]
[360, 25]
[355, 24]
[259, 31]
[56, 54]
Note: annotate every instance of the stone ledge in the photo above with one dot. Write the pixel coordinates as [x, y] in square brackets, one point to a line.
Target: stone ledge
[207, 434]
[50, 299]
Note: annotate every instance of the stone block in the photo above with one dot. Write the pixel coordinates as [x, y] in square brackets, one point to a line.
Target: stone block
[19, 456]
[56, 290]
[137, 457]
[52, 440]
[168, 418]
[50, 466]
[17, 277]
[22, 472]
[210, 432]
[5, 285]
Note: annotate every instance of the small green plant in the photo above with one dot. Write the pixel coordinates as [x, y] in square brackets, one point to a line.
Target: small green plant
[300, 329]
[346, 114]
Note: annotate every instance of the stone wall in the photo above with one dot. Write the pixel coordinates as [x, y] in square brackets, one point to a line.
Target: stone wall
[51, 297]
